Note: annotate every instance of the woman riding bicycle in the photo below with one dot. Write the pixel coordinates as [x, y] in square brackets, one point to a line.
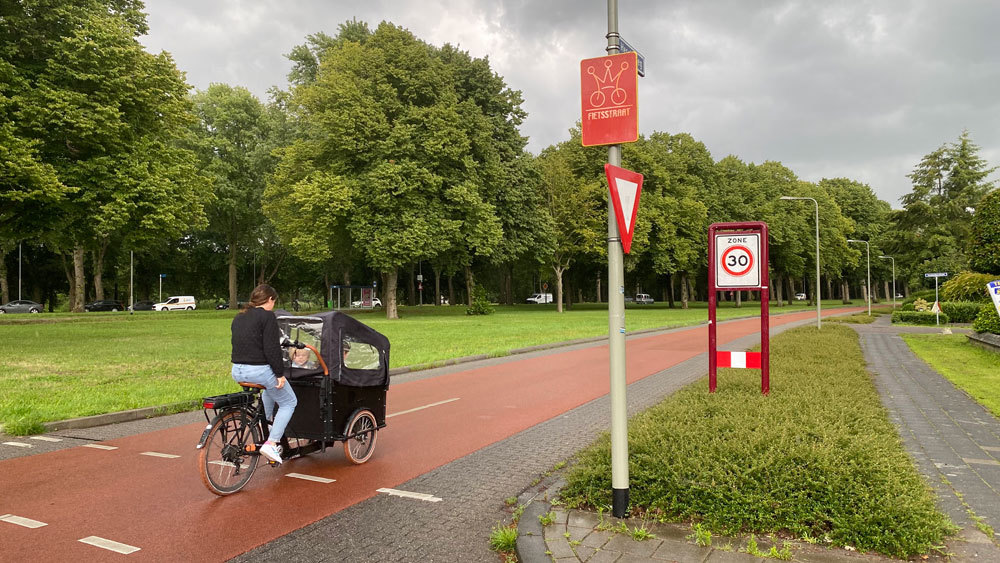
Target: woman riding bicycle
[257, 358]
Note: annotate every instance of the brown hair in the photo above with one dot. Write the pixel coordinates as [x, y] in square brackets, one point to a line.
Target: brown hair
[260, 295]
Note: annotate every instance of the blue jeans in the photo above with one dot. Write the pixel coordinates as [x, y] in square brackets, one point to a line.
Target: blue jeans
[285, 397]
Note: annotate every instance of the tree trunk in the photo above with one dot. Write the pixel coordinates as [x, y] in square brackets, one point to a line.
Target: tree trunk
[568, 291]
[776, 283]
[845, 291]
[690, 285]
[4, 289]
[579, 295]
[559, 287]
[71, 281]
[97, 259]
[864, 293]
[390, 279]
[411, 295]
[739, 299]
[685, 295]
[233, 288]
[80, 280]
[888, 292]
[670, 290]
[599, 296]
[451, 291]
[829, 288]
[469, 284]
[437, 287]
[326, 290]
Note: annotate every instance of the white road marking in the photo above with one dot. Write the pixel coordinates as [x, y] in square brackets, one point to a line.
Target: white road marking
[100, 447]
[310, 478]
[223, 463]
[408, 494]
[990, 448]
[46, 439]
[18, 444]
[158, 454]
[109, 545]
[422, 408]
[20, 521]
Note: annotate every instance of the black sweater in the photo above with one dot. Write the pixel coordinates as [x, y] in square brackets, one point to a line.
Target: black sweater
[257, 340]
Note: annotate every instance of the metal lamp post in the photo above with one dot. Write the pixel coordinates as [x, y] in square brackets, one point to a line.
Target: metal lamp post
[818, 290]
[893, 279]
[869, 286]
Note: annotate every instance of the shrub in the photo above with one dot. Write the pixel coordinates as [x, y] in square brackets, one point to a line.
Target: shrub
[918, 317]
[907, 307]
[921, 305]
[967, 286]
[984, 254]
[987, 320]
[924, 294]
[480, 302]
[960, 311]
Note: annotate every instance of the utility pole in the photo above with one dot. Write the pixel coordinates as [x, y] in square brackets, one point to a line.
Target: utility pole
[616, 323]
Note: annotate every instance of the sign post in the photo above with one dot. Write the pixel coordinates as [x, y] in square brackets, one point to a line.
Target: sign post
[937, 304]
[738, 261]
[161, 287]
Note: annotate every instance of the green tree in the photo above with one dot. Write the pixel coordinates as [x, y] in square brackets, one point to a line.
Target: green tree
[105, 115]
[389, 143]
[984, 254]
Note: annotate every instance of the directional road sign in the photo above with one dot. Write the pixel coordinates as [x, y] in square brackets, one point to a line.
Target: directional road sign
[937, 275]
[625, 187]
[640, 66]
[608, 90]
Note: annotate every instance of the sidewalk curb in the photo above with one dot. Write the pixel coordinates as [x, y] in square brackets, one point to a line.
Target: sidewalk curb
[150, 412]
[531, 544]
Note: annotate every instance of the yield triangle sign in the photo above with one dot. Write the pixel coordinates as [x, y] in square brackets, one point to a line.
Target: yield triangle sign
[625, 187]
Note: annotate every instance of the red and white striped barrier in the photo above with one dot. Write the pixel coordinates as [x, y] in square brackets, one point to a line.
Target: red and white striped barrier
[738, 359]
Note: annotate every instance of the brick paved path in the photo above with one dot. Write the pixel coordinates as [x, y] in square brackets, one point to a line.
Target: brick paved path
[387, 528]
[954, 440]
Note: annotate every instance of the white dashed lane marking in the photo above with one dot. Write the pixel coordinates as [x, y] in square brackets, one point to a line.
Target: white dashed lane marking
[422, 408]
[46, 439]
[21, 521]
[158, 454]
[99, 447]
[310, 478]
[109, 545]
[408, 494]
[18, 444]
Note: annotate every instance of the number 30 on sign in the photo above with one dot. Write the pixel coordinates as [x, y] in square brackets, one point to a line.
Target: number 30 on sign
[737, 259]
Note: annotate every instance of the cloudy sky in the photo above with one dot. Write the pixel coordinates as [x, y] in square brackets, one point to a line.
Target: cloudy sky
[858, 89]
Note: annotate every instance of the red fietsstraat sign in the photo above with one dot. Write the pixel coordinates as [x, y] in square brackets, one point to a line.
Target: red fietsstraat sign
[737, 261]
[609, 92]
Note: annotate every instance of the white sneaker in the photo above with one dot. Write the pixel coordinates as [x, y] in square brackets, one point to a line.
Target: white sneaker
[271, 452]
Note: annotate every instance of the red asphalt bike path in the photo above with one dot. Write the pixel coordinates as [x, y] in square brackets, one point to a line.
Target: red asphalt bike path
[161, 506]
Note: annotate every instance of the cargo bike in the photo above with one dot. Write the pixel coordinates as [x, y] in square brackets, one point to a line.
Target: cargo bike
[339, 370]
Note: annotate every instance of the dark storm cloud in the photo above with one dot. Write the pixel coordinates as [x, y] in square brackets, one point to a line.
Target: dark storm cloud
[855, 89]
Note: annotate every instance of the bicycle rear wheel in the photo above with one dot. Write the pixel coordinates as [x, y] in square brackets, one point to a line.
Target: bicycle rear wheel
[229, 457]
[362, 433]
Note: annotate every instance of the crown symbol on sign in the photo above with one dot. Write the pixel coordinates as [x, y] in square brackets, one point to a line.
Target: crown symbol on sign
[607, 82]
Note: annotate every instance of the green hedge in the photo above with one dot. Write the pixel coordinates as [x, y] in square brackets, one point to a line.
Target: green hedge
[918, 317]
[926, 294]
[967, 286]
[987, 320]
[961, 311]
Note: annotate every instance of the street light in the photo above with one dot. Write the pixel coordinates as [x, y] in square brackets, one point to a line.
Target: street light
[893, 279]
[868, 253]
[818, 295]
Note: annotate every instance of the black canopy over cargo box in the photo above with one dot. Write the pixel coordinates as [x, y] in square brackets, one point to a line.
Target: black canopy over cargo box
[357, 358]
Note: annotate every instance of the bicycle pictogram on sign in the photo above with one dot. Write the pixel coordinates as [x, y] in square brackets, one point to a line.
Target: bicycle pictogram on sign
[607, 82]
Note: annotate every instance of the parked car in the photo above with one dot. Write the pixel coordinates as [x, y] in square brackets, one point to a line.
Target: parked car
[177, 303]
[800, 296]
[643, 299]
[225, 305]
[21, 306]
[540, 298]
[142, 306]
[104, 305]
[376, 302]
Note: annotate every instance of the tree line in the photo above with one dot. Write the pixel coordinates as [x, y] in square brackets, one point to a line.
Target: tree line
[386, 158]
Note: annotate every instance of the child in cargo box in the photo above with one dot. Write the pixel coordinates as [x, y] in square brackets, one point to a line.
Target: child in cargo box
[257, 358]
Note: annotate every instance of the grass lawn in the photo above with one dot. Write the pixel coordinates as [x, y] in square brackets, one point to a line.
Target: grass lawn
[59, 366]
[971, 368]
[817, 459]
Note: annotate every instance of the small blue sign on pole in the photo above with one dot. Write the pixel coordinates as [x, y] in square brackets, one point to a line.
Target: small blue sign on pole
[624, 47]
[163, 275]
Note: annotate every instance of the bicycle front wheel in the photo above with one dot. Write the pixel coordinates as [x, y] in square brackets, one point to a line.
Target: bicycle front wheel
[229, 457]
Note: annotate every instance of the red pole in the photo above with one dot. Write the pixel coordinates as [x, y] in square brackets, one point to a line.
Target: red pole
[711, 310]
[765, 333]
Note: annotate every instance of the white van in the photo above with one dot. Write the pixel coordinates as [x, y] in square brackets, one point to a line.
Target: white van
[177, 303]
[540, 298]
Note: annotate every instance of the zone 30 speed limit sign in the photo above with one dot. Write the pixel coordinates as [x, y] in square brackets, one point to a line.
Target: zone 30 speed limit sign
[737, 260]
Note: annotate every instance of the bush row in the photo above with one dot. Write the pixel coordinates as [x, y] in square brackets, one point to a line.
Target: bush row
[967, 286]
[918, 317]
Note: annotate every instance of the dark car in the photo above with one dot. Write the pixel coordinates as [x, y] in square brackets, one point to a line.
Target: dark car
[225, 305]
[104, 305]
[143, 306]
[21, 306]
